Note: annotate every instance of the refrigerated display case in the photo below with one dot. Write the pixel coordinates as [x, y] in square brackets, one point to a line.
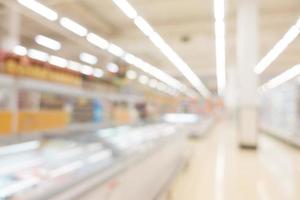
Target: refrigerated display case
[50, 166]
[280, 112]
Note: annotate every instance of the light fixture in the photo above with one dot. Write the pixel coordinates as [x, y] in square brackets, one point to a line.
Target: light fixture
[20, 50]
[88, 58]
[143, 79]
[97, 41]
[219, 14]
[126, 8]
[180, 64]
[115, 50]
[38, 55]
[161, 86]
[58, 61]
[156, 39]
[75, 66]
[129, 58]
[219, 9]
[288, 38]
[155, 72]
[153, 83]
[112, 67]
[87, 70]
[280, 79]
[98, 72]
[131, 75]
[48, 42]
[73, 26]
[144, 26]
[39, 9]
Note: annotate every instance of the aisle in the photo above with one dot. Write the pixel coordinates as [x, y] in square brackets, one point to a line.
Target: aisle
[218, 170]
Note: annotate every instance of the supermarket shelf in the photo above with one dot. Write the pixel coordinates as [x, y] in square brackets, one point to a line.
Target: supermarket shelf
[281, 134]
[46, 86]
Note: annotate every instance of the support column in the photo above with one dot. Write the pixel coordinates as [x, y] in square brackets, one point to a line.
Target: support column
[8, 42]
[247, 58]
[11, 21]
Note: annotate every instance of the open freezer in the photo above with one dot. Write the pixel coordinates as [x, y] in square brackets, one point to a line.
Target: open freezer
[70, 165]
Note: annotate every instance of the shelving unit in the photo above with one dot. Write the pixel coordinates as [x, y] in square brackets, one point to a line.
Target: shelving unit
[17, 84]
[280, 112]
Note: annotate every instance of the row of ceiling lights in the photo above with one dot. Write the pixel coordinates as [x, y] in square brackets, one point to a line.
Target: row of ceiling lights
[271, 56]
[219, 15]
[159, 42]
[92, 71]
[286, 40]
[103, 44]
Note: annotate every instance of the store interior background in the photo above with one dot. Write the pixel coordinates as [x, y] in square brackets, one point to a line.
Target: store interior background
[126, 75]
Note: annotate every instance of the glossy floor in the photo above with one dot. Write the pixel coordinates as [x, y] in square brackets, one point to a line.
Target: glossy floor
[218, 170]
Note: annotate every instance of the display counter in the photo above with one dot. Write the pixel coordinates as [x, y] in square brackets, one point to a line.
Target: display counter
[280, 112]
[56, 167]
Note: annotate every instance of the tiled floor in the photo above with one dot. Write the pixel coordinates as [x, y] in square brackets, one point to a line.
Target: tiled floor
[218, 170]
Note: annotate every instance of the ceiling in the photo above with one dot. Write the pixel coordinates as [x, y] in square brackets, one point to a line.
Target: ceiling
[187, 26]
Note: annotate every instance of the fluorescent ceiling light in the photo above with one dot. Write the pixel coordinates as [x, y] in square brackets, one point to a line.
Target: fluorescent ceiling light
[20, 50]
[221, 65]
[87, 70]
[144, 26]
[282, 78]
[131, 75]
[153, 83]
[88, 58]
[159, 74]
[219, 14]
[126, 8]
[38, 55]
[98, 72]
[129, 58]
[161, 86]
[97, 41]
[115, 50]
[73, 26]
[39, 9]
[288, 38]
[143, 79]
[75, 66]
[58, 61]
[219, 9]
[220, 29]
[180, 65]
[48, 42]
[112, 67]
[166, 50]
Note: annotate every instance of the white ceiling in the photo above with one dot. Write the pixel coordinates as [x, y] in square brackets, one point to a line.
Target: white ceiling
[187, 25]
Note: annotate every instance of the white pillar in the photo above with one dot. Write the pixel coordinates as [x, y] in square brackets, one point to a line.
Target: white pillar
[247, 54]
[9, 41]
[11, 21]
